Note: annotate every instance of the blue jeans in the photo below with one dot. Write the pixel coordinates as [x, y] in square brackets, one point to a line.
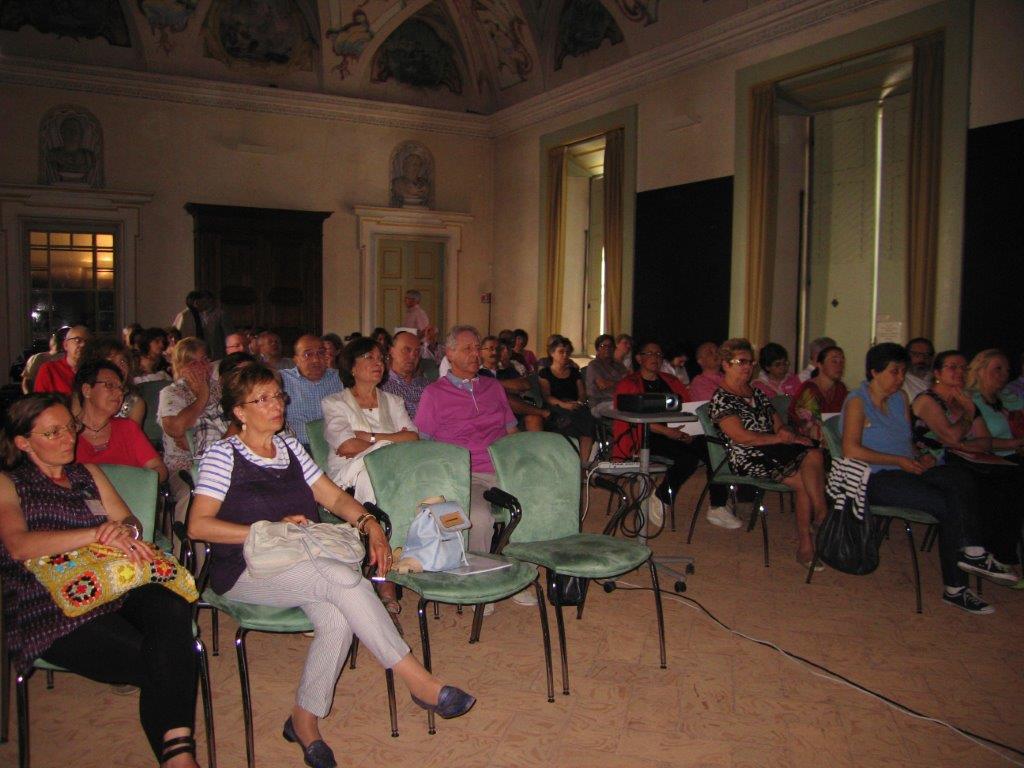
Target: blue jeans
[948, 494]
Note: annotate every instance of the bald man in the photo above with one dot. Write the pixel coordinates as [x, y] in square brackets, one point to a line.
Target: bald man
[307, 384]
[59, 375]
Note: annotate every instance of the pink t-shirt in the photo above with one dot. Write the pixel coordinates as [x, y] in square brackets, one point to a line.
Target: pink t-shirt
[128, 446]
[474, 419]
[704, 385]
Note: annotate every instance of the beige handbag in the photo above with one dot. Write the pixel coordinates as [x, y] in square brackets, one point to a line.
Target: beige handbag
[273, 548]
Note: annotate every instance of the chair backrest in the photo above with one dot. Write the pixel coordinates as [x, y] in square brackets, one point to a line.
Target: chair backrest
[716, 451]
[318, 447]
[542, 471]
[781, 405]
[430, 369]
[833, 437]
[403, 474]
[137, 487]
[150, 393]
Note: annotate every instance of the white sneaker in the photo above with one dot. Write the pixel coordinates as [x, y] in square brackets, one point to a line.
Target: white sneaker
[723, 518]
[526, 597]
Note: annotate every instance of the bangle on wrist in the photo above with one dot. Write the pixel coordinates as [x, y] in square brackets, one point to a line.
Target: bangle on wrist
[136, 533]
[361, 522]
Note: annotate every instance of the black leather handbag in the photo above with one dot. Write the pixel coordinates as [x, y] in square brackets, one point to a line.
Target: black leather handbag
[848, 544]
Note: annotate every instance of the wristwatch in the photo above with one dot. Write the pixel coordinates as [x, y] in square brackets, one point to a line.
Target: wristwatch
[373, 438]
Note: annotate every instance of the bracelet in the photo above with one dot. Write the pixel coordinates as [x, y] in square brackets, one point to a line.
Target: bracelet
[136, 533]
[361, 522]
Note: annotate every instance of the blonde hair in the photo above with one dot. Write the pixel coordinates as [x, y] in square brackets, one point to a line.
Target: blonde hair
[728, 349]
[979, 363]
[185, 352]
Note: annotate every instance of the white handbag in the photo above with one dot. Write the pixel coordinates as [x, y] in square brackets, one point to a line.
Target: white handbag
[435, 536]
[273, 548]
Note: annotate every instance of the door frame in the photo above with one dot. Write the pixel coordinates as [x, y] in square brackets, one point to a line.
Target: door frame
[375, 224]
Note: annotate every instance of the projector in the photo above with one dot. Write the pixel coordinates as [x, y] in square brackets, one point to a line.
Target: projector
[648, 402]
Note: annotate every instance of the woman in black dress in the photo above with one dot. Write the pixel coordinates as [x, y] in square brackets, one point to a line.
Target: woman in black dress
[564, 392]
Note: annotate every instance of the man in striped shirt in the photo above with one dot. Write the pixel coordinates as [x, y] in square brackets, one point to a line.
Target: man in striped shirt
[307, 384]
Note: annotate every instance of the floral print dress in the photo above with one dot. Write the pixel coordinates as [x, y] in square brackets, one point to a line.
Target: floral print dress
[769, 462]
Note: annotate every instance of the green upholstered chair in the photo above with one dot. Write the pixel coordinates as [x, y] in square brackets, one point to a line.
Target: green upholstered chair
[781, 405]
[138, 488]
[318, 447]
[883, 515]
[720, 473]
[429, 369]
[402, 475]
[150, 393]
[539, 471]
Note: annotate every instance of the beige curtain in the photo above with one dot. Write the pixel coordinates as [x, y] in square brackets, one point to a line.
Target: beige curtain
[556, 240]
[761, 212]
[614, 162]
[923, 186]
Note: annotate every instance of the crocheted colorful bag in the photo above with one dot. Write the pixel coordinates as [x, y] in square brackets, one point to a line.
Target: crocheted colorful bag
[90, 576]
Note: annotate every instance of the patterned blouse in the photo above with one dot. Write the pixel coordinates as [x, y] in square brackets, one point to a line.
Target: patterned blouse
[755, 414]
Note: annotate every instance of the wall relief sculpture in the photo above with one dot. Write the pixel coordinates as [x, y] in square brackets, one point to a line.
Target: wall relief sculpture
[70, 147]
[582, 26]
[412, 176]
[167, 17]
[70, 18]
[261, 33]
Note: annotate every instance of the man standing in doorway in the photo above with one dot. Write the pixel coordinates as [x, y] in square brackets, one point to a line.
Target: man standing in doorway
[415, 317]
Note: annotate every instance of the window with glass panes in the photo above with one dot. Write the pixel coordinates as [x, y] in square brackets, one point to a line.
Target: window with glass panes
[72, 280]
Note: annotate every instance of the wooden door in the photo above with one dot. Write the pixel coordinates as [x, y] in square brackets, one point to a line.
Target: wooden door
[264, 265]
[405, 265]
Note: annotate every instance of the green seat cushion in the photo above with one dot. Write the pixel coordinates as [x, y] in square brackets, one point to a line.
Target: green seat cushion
[468, 590]
[589, 555]
[263, 618]
[162, 542]
[44, 664]
[766, 485]
[911, 515]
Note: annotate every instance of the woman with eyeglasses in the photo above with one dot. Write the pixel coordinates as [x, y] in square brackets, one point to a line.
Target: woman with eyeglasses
[106, 438]
[49, 503]
[760, 445]
[947, 421]
[114, 351]
[259, 475]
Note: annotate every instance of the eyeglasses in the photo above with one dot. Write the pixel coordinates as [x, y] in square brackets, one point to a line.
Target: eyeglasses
[112, 386]
[264, 400]
[76, 339]
[658, 355]
[55, 433]
[312, 354]
[955, 367]
[371, 357]
[744, 361]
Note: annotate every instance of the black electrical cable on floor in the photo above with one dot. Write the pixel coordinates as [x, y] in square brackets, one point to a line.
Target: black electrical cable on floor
[611, 585]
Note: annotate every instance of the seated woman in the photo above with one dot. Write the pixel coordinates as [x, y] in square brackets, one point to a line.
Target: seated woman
[947, 419]
[1000, 408]
[107, 438]
[775, 378]
[562, 388]
[876, 430]
[823, 393]
[49, 504]
[258, 475]
[150, 364]
[604, 372]
[761, 446]
[132, 405]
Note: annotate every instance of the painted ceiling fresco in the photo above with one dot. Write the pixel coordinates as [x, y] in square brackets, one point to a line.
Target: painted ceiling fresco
[477, 55]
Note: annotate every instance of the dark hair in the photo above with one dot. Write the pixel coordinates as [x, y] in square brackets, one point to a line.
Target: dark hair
[353, 351]
[97, 349]
[239, 382]
[942, 357]
[172, 330]
[148, 336]
[233, 361]
[604, 337]
[192, 297]
[519, 333]
[385, 343]
[88, 373]
[771, 353]
[825, 351]
[334, 338]
[556, 342]
[488, 338]
[922, 340]
[880, 355]
[18, 422]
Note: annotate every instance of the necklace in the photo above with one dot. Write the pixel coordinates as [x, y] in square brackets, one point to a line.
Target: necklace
[98, 429]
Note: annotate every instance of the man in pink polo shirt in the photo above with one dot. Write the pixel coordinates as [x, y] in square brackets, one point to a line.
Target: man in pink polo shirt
[464, 409]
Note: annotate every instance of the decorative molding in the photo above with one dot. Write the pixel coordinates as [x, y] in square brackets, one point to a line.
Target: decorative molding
[250, 98]
[375, 223]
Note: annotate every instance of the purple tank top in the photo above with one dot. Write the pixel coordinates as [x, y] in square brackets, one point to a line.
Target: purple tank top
[33, 620]
[257, 493]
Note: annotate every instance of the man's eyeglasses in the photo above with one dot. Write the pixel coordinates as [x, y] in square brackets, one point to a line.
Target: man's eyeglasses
[264, 400]
[658, 355]
[313, 354]
[744, 361]
[76, 339]
[112, 386]
[55, 433]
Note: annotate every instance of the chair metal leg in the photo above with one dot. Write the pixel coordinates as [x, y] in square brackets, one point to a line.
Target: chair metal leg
[810, 569]
[545, 636]
[913, 559]
[421, 612]
[204, 687]
[696, 511]
[215, 630]
[353, 652]
[657, 608]
[760, 511]
[560, 623]
[21, 686]
[389, 676]
[437, 611]
[49, 679]
[243, 679]
[478, 623]
[5, 691]
[929, 538]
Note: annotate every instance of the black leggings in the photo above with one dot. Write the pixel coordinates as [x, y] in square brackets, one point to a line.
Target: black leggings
[1000, 506]
[147, 643]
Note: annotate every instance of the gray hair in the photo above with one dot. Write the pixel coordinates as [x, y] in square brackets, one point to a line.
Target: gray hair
[414, 294]
[815, 347]
[456, 331]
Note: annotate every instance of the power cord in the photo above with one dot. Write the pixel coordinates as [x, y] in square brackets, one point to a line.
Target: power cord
[825, 673]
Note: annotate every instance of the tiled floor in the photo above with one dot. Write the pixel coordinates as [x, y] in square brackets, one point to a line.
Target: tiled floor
[723, 701]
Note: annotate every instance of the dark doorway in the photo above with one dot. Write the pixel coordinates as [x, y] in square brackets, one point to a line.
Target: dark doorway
[993, 241]
[683, 263]
[265, 266]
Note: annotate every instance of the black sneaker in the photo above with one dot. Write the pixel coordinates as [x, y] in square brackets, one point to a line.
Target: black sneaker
[966, 600]
[987, 566]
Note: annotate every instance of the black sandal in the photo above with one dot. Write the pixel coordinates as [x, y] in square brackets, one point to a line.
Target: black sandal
[181, 745]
